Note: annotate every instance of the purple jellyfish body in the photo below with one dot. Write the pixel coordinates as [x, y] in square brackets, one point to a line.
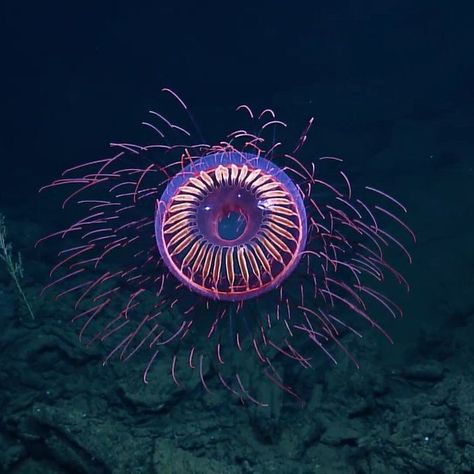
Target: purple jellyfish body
[269, 233]
[204, 254]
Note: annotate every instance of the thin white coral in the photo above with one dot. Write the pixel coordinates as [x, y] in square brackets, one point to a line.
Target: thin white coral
[14, 266]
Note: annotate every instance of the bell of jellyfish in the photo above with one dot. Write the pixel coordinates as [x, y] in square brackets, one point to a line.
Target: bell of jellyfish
[265, 233]
[228, 262]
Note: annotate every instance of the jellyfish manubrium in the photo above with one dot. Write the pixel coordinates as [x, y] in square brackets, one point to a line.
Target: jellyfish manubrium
[227, 259]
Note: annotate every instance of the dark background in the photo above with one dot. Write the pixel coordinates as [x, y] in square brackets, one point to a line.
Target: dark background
[390, 83]
[77, 75]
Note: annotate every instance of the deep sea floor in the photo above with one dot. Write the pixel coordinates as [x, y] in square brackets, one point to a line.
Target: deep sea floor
[408, 409]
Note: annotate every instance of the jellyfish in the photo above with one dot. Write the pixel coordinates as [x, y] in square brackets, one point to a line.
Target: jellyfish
[231, 226]
[193, 253]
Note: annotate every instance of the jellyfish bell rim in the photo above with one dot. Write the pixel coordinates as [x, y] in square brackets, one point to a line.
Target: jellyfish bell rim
[211, 161]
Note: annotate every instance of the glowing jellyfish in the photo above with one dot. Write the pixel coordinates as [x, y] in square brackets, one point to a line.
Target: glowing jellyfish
[196, 252]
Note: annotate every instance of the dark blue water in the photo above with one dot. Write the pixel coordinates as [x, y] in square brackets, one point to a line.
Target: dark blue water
[390, 85]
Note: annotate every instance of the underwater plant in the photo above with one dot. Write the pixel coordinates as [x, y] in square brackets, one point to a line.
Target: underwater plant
[14, 266]
[179, 239]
